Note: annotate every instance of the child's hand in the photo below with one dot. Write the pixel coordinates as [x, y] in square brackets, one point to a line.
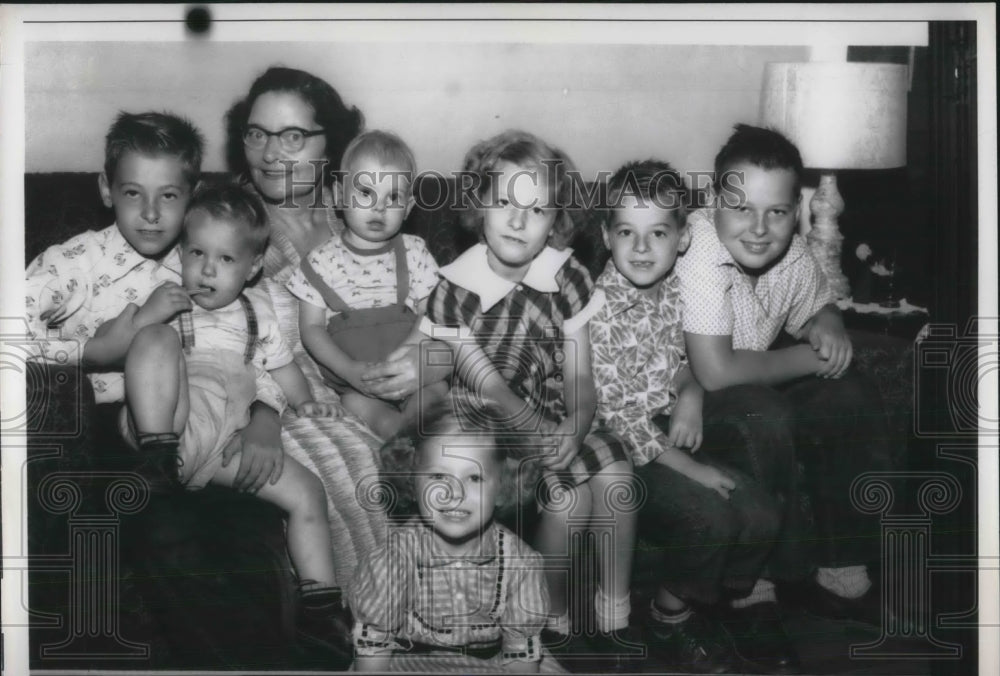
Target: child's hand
[565, 437]
[259, 445]
[167, 300]
[713, 478]
[685, 424]
[315, 409]
[829, 339]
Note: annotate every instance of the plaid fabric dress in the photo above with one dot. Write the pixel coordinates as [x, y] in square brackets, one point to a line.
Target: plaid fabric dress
[435, 612]
[521, 328]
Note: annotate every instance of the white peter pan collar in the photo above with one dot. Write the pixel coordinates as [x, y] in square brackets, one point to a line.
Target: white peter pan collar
[472, 271]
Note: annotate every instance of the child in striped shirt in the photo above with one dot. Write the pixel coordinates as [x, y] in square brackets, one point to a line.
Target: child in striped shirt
[451, 590]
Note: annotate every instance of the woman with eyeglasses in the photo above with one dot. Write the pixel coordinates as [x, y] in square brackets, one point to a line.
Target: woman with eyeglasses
[285, 140]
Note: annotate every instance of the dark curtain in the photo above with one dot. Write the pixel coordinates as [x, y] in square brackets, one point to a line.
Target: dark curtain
[952, 193]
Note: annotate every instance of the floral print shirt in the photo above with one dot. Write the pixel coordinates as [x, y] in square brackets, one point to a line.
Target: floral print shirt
[74, 287]
[637, 350]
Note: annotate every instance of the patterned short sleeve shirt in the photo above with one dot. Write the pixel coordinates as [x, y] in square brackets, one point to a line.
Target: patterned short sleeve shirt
[720, 299]
[366, 278]
[74, 287]
[520, 326]
[637, 350]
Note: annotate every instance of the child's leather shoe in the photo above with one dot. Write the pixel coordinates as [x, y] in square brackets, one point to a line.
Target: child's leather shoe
[696, 645]
[324, 622]
[760, 639]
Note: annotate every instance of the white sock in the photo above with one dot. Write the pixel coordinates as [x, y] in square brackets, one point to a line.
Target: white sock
[849, 582]
[762, 592]
[674, 618]
[611, 614]
[559, 624]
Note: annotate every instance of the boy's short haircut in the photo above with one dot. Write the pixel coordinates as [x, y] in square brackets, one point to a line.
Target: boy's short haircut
[764, 148]
[232, 203]
[154, 134]
[386, 148]
[651, 182]
[526, 151]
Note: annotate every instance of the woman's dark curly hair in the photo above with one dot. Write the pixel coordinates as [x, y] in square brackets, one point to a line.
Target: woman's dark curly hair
[525, 151]
[401, 455]
[340, 122]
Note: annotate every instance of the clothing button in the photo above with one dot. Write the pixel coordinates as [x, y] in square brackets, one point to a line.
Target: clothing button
[519, 287]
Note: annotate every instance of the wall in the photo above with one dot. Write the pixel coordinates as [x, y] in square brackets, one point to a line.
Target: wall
[604, 104]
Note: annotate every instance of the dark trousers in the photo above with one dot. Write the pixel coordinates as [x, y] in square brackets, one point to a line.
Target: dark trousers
[716, 547]
[840, 432]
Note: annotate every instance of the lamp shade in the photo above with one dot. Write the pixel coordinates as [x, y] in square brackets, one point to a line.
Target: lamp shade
[840, 115]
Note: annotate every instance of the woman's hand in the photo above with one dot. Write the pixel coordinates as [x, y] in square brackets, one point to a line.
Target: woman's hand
[395, 378]
[259, 445]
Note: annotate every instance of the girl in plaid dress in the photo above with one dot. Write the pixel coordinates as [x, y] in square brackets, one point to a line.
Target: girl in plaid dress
[514, 310]
[451, 590]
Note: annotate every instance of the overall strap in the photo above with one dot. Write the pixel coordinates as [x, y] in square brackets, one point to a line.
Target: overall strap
[330, 297]
[336, 303]
[252, 328]
[402, 271]
[185, 326]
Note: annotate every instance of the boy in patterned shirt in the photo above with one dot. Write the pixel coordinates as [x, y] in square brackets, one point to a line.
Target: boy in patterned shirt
[152, 163]
[717, 522]
[747, 278]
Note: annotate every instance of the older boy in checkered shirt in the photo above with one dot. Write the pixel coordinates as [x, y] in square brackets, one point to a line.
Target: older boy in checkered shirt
[746, 277]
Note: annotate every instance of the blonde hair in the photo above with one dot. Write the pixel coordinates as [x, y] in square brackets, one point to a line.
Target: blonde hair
[526, 151]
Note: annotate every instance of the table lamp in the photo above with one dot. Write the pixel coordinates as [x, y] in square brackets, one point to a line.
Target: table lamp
[841, 116]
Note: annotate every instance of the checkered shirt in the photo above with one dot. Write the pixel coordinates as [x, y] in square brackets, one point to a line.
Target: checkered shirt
[637, 350]
[719, 298]
[410, 590]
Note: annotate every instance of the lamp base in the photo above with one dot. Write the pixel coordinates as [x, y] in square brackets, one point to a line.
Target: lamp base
[824, 238]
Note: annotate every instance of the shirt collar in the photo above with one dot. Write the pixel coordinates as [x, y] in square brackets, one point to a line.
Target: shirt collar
[432, 555]
[172, 261]
[117, 248]
[621, 295]
[472, 271]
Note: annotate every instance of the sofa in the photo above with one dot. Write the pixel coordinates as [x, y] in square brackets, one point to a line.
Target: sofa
[202, 580]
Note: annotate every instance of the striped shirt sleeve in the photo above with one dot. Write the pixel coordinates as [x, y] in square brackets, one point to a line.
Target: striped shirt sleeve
[526, 608]
[379, 594]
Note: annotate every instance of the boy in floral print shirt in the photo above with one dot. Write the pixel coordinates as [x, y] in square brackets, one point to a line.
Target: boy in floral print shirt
[152, 164]
[717, 523]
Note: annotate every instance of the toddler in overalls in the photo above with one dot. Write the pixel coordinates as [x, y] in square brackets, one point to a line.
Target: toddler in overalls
[190, 382]
[360, 293]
